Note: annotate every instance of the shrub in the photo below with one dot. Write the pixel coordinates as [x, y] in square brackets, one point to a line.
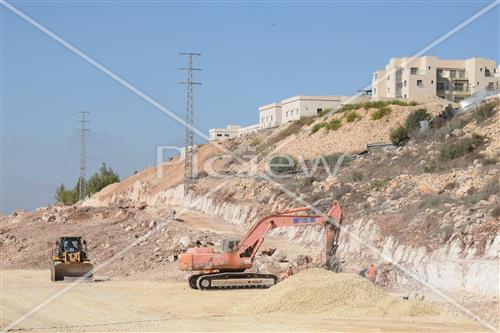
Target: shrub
[485, 111]
[399, 136]
[254, 142]
[413, 120]
[281, 164]
[432, 167]
[334, 124]
[378, 184]
[333, 158]
[380, 113]
[489, 161]
[357, 176]
[325, 111]
[317, 127]
[352, 116]
[453, 150]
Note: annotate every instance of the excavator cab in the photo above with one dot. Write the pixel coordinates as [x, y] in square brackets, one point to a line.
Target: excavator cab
[229, 245]
[70, 259]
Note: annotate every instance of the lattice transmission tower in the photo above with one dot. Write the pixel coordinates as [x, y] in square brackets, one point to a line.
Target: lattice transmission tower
[189, 147]
[83, 130]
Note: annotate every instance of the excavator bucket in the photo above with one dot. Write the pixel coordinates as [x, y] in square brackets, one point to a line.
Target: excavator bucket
[61, 271]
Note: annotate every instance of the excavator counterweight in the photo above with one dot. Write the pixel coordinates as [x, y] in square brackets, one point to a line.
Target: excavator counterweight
[226, 269]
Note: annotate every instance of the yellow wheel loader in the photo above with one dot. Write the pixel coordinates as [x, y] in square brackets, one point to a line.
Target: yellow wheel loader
[70, 259]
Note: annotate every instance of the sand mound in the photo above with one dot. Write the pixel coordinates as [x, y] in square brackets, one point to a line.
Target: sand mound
[342, 294]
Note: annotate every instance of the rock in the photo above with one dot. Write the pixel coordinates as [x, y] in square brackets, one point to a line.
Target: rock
[129, 228]
[141, 205]
[302, 260]
[279, 256]
[427, 189]
[269, 251]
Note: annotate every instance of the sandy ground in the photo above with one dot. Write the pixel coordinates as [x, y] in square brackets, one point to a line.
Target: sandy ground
[168, 306]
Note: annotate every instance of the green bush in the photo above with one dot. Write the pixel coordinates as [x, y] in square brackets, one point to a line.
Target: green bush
[352, 116]
[325, 111]
[453, 150]
[254, 142]
[489, 161]
[332, 159]
[413, 120]
[317, 127]
[334, 124]
[357, 176]
[485, 111]
[432, 167]
[380, 113]
[281, 164]
[399, 136]
[378, 184]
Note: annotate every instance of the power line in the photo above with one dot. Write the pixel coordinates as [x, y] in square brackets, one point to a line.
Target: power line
[83, 130]
[189, 146]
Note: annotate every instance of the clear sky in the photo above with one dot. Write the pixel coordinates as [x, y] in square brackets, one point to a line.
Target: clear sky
[253, 53]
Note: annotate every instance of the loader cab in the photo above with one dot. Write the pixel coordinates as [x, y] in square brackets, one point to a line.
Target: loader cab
[70, 245]
[229, 245]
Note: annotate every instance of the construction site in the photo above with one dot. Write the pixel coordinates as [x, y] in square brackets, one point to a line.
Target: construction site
[401, 238]
[249, 166]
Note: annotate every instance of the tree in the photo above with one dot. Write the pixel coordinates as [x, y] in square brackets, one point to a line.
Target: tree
[66, 197]
[101, 179]
[97, 182]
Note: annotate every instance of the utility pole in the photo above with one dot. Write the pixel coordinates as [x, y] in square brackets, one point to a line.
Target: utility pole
[83, 130]
[189, 148]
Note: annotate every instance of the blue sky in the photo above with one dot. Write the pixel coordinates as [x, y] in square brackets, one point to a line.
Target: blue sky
[253, 53]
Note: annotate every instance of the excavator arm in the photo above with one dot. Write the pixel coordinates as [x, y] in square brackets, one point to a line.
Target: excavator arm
[252, 241]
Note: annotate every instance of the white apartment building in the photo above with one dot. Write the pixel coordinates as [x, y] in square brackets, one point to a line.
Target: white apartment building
[290, 109]
[231, 131]
[270, 115]
[424, 77]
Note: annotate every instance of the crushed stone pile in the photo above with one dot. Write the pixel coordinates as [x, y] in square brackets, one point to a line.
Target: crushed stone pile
[342, 294]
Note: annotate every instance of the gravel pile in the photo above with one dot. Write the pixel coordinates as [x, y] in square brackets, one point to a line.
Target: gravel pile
[341, 294]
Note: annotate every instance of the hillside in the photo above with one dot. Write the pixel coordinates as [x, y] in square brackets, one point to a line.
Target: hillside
[429, 207]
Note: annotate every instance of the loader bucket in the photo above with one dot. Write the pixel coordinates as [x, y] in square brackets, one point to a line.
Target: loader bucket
[60, 271]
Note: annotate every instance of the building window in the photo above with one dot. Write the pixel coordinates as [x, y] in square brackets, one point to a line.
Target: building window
[453, 74]
[487, 72]
[388, 77]
[461, 74]
[404, 95]
[318, 111]
[271, 118]
[439, 73]
[458, 86]
[490, 85]
[429, 67]
[404, 83]
[481, 69]
[432, 81]
[219, 134]
[420, 83]
[287, 113]
[414, 70]
[226, 135]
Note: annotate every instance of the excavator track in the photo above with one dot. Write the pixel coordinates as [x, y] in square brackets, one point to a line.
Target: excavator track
[232, 280]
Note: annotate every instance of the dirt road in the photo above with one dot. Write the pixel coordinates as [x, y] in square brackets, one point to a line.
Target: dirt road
[168, 306]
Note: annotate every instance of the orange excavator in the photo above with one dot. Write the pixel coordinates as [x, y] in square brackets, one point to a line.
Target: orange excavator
[226, 269]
